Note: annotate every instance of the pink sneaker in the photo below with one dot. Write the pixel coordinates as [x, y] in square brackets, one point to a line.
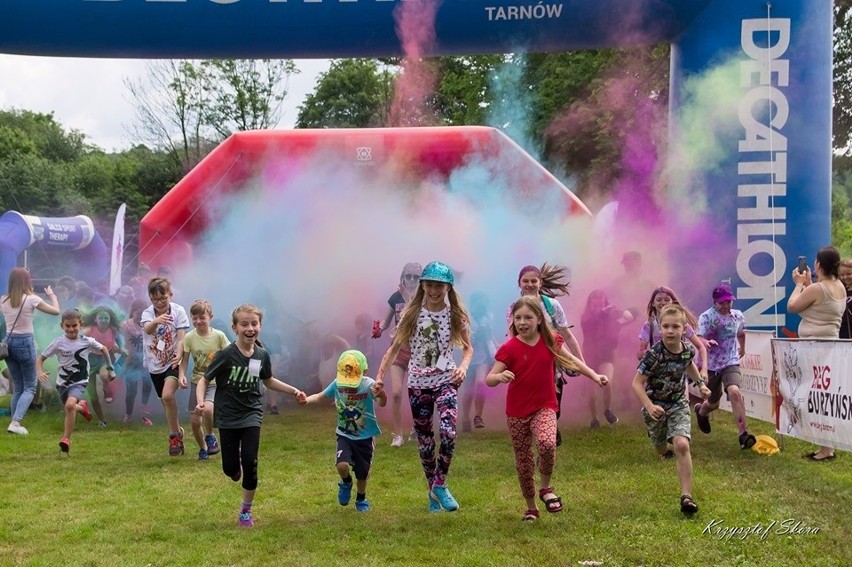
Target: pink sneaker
[147, 421]
[246, 521]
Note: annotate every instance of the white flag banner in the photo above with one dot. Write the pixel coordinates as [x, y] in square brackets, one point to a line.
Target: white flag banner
[814, 397]
[117, 251]
[756, 383]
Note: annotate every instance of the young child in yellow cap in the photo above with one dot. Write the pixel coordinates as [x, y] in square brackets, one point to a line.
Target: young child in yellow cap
[354, 397]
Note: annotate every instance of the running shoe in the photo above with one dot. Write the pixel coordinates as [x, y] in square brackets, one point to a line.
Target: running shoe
[703, 420]
[445, 499]
[611, 417]
[397, 440]
[212, 444]
[362, 505]
[147, 421]
[477, 422]
[65, 444]
[84, 410]
[203, 455]
[245, 519]
[344, 493]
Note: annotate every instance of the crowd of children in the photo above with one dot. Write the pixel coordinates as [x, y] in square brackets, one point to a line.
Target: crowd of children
[162, 348]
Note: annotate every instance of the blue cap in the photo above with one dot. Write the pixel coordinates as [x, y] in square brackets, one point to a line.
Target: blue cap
[437, 272]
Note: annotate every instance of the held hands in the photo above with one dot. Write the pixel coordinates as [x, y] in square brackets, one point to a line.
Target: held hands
[458, 375]
[301, 397]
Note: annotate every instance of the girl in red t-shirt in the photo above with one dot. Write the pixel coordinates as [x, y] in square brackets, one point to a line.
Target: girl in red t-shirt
[526, 362]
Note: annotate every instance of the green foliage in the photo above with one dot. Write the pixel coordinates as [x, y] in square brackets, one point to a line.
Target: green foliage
[842, 110]
[464, 91]
[841, 213]
[353, 93]
[119, 499]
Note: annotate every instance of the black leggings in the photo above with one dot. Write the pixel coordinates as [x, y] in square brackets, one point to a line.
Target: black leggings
[239, 448]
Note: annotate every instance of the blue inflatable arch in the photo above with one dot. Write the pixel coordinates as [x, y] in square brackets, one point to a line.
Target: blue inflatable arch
[771, 198]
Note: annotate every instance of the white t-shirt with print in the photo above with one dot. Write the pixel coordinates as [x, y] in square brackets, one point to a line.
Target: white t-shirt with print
[431, 361]
[73, 355]
[159, 348]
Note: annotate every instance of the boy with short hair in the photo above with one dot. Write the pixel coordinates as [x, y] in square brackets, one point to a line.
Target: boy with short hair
[165, 324]
[660, 387]
[72, 349]
[354, 396]
[201, 344]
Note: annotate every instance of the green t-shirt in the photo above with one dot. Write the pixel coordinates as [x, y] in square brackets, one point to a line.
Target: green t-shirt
[203, 349]
[238, 401]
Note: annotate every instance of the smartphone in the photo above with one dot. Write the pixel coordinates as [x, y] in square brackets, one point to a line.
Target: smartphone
[803, 264]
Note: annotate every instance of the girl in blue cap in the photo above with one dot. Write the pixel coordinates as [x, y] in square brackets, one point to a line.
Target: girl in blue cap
[432, 325]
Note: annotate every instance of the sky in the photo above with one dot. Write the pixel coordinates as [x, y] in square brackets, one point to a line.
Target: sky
[89, 94]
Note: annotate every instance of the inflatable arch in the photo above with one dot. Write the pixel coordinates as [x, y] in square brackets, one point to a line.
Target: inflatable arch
[18, 232]
[166, 236]
[770, 196]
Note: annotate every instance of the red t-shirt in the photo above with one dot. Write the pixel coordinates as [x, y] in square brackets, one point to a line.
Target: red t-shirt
[534, 386]
[106, 338]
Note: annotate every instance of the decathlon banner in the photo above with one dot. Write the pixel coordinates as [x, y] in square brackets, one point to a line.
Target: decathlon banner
[814, 398]
[117, 253]
[756, 369]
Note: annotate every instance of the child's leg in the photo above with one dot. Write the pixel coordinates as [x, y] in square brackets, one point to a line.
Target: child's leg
[467, 393]
[446, 401]
[229, 441]
[249, 446]
[94, 399]
[479, 389]
[684, 463]
[607, 370]
[207, 418]
[70, 416]
[397, 375]
[542, 425]
[170, 386]
[712, 403]
[422, 403]
[519, 430]
[147, 386]
[131, 388]
[195, 419]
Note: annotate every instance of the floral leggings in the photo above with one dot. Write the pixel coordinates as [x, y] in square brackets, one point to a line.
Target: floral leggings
[540, 426]
[423, 403]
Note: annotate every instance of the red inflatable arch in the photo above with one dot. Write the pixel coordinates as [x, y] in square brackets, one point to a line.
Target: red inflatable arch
[170, 228]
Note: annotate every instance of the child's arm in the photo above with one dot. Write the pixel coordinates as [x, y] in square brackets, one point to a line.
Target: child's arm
[655, 411]
[313, 398]
[381, 397]
[42, 375]
[181, 333]
[387, 359]
[386, 323]
[150, 327]
[200, 391]
[741, 340]
[572, 343]
[279, 386]
[643, 348]
[702, 353]
[108, 359]
[583, 369]
[499, 375]
[698, 379]
[460, 372]
[182, 368]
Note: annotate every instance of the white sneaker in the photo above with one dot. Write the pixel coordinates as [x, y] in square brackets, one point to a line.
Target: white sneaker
[397, 440]
[17, 429]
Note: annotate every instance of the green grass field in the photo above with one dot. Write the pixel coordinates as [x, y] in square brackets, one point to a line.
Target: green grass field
[119, 499]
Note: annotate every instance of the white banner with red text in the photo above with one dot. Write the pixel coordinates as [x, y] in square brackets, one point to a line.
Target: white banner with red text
[813, 399]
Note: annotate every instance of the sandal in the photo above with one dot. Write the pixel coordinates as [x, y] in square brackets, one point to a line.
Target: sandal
[552, 504]
[688, 505]
[530, 516]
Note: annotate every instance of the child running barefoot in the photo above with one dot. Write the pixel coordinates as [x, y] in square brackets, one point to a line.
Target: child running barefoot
[353, 395]
[201, 344]
[237, 371]
[72, 350]
[165, 324]
[433, 323]
[659, 385]
[526, 363]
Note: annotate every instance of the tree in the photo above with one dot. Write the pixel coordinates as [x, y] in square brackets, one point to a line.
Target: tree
[464, 92]
[842, 109]
[353, 93]
[187, 107]
[244, 94]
